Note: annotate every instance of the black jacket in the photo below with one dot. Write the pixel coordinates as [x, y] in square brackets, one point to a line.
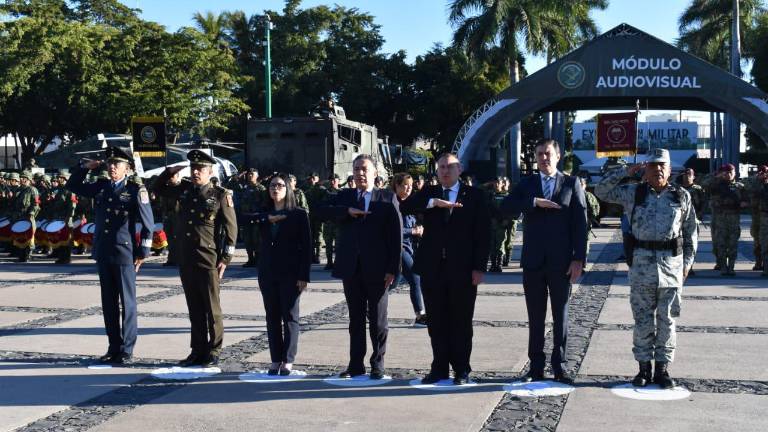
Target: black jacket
[285, 252]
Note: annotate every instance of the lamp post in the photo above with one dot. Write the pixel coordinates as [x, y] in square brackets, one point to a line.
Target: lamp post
[267, 67]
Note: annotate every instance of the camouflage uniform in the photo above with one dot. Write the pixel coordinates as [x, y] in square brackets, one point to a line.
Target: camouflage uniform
[656, 277]
[63, 205]
[753, 186]
[315, 195]
[301, 199]
[499, 226]
[251, 200]
[726, 199]
[510, 231]
[593, 214]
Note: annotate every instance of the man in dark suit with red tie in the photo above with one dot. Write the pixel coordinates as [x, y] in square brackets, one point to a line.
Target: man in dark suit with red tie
[451, 260]
[554, 252]
[367, 259]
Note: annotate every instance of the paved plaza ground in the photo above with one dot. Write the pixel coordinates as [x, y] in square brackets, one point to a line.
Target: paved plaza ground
[51, 330]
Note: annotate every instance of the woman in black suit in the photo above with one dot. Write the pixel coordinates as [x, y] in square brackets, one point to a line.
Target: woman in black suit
[284, 262]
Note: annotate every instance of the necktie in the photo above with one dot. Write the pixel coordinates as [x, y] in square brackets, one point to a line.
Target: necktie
[361, 201]
[548, 187]
[446, 212]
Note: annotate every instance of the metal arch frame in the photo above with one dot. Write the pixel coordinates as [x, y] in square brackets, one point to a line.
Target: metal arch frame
[458, 141]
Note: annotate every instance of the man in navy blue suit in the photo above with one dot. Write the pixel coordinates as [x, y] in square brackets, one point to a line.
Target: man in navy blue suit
[367, 259]
[554, 252]
[120, 205]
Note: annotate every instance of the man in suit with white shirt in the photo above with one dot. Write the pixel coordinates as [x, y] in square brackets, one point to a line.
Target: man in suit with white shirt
[554, 252]
[367, 259]
[451, 260]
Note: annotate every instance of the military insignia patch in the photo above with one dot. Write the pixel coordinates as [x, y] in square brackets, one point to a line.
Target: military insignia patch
[229, 200]
[144, 196]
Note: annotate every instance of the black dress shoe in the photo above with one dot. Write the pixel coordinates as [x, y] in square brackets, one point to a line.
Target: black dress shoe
[376, 374]
[210, 360]
[533, 375]
[350, 373]
[433, 378]
[564, 378]
[107, 358]
[193, 359]
[461, 379]
[273, 372]
[284, 371]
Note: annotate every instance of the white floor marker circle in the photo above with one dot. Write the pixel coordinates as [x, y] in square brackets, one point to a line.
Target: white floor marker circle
[446, 384]
[650, 393]
[99, 366]
[358, 381]
[538, 388]
[262, 377]
[185, 373]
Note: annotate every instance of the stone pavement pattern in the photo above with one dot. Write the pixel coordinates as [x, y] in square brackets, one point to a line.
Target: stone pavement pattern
[51, 330]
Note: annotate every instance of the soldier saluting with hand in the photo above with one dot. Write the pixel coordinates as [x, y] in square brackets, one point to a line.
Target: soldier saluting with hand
[206, 211]
[663, 223]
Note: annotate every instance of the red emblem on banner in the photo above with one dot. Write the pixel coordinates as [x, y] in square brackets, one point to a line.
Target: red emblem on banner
[616, 134]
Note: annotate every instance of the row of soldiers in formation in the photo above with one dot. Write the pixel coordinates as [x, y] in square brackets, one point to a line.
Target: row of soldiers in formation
[28, 196]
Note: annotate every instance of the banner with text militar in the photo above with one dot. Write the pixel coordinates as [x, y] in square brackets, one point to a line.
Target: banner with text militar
[616, 134]
[148, 136]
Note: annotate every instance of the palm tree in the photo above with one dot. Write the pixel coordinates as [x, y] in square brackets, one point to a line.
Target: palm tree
[212, 25]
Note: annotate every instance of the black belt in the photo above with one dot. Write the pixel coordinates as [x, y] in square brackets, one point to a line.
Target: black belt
[659, 245]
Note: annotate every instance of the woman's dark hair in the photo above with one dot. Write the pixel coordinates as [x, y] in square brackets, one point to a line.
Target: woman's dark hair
[290, 198]
[399, 179]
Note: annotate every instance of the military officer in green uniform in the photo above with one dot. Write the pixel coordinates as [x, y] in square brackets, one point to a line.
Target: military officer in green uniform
[205, 210]
[26, 205]
[301, 199]
[315, 194]
[251, 199]
[330, 229]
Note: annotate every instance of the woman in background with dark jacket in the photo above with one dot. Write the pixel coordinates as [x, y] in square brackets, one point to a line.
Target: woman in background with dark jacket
[402, 185]
[285, 257]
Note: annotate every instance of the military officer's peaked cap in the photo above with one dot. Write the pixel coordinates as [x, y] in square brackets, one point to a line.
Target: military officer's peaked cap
[118, 154]
[199, 157]
[658, 155]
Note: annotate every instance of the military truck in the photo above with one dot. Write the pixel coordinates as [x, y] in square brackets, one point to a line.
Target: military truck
[324, 143]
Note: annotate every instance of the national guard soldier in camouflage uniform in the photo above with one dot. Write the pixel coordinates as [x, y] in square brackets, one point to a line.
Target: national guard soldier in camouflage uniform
[251, 199]
[664, 235]
[330, 229]
[753, 186]
[698, 197]
[63, 205]
[26, 205]
[761, 196]
[511, 227]
[205, 210]
[593, 212]
[728, 197]
[315, 195]
[499, 223]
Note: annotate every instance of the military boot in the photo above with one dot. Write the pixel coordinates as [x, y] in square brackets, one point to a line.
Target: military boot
[316, 255]
[643, 378]
[65, 255]
[661, 376]
[24, 254]
[730, 267]
[251, 262]
[494, 264]
[507, 257]
[328, 259]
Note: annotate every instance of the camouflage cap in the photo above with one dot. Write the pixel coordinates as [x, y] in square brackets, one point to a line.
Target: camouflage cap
[199, 157]
[46, 178]
[658, 155]
[13, 176]
[26, 174]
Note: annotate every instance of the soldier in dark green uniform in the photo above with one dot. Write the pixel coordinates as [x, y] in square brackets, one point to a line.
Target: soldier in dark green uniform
[26, 204]
[63, 207]
[251, 199]
[496, 195]
[593, 211]
[204, 211]
[330, 229]
[315, 195]
[301, 199]
[753, 187]
[728, 197]
[511, 227]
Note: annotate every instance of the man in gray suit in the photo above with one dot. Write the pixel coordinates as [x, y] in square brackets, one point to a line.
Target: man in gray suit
[554, 251]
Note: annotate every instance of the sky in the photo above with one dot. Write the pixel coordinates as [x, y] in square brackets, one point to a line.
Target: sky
[416, 25]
